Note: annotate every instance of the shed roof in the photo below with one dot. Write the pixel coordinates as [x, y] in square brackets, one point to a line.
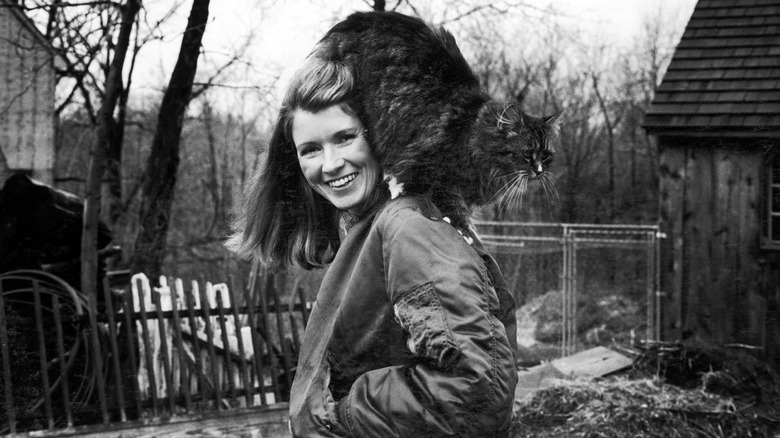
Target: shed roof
[16, 10]
[724, 76]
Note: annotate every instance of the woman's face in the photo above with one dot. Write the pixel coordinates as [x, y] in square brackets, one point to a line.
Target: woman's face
[334, 156]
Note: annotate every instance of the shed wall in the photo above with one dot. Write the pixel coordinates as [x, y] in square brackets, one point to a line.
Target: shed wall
[27, 117]
[714, 271]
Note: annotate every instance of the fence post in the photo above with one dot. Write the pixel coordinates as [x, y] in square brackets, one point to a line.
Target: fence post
[191, 306]
[130, 330]
[272, 352]
[657, 278]
[248, 392]
[205, 307]
[257, 342]
[42, 354]
[650, 286]
[565, 292]
[9, 394]
[176, 293]
[97, 355]
[157, 300]
[57, 309]
[112, 335]
[142, 290]
[217, 291]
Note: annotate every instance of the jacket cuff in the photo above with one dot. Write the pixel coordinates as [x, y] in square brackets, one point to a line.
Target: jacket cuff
[343, 414]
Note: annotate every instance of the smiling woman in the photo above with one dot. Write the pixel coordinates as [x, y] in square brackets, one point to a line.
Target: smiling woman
[412, 333]
[335, 157]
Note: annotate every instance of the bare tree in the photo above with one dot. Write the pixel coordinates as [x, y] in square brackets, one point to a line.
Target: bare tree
[160, 179]
[579, 144]
[644, 70]
[87, 33]
[105, 120]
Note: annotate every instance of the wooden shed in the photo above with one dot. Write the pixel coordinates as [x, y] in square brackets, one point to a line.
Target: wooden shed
[27, 112]
[716, 115]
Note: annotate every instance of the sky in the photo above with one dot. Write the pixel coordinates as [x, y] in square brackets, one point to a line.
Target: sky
[288, 30]
[283, 33]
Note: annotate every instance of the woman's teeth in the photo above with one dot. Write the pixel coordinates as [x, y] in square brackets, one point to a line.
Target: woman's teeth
[342, 181]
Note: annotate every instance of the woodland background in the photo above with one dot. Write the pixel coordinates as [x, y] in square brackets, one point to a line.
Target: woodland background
[170, 152]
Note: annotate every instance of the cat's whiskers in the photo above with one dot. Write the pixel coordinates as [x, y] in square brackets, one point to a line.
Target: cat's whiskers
[545, 182]
[550, 190]
[521, 192]
[503, 189]
[511, 195]
[509, 190]
[514, 194]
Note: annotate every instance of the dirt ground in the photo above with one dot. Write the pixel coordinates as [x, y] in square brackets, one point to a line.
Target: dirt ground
[270, 422]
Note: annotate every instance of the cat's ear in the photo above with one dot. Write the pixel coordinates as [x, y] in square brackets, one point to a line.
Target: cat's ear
[550, 120]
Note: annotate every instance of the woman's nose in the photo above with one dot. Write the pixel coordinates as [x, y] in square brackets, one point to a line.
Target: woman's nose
[332, 161]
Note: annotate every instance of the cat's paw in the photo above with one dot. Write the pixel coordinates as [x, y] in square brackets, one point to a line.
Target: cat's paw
[396, 188]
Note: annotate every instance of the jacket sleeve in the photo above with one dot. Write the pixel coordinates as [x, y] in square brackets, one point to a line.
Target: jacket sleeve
[464, 379]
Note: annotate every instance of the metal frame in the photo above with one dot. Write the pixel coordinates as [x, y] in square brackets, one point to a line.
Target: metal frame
[571, 238]
[192, 361]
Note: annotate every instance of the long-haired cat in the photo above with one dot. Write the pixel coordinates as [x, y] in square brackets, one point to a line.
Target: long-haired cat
[433, 128]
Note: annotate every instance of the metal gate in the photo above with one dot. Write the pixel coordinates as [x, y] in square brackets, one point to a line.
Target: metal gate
[569, 257]
[141, 352]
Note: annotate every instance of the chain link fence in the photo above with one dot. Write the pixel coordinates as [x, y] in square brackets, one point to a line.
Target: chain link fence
[578, 285]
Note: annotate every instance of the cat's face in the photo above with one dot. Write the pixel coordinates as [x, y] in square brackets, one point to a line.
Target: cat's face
[522, 149]
[528, 141]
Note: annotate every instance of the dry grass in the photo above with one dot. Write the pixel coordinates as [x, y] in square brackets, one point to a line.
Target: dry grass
[672, 391]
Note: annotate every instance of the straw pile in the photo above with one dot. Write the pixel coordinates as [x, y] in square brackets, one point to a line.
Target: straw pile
[672, 392]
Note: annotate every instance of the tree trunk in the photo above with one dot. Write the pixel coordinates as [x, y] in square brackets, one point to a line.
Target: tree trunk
[111, 191]
[89, 258]
[610, 126]
[160, 179]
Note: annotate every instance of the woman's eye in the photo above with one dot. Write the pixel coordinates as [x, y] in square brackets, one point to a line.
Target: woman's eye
[308, 150]
[345, 139]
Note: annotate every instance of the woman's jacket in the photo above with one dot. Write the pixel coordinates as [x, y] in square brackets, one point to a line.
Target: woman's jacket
[412, 335]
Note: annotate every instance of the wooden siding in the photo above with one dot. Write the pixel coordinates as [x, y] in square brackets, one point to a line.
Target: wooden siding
[711, 196]
[27, 119]
[725, 73]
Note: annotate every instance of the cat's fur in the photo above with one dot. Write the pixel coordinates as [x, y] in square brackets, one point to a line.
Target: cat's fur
[432, 126]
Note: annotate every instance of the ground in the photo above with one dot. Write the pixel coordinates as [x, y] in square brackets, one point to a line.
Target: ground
[672, 390]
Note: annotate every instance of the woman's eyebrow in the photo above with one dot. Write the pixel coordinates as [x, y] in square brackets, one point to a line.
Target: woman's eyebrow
[350, 130]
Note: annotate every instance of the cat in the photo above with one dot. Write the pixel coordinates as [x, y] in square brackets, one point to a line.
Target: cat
[434, 130]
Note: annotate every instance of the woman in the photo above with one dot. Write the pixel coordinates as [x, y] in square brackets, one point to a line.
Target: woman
[412, 332]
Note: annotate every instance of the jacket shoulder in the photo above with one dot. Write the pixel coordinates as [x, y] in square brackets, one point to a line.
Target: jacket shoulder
[408, 205]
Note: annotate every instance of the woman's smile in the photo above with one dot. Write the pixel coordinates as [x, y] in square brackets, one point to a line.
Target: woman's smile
[334, 156]
[341, 182]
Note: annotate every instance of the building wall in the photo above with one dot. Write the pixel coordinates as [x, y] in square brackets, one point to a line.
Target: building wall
[27, 119]
[716, 277]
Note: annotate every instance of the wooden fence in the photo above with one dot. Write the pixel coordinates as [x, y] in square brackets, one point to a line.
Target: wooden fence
[141, 352]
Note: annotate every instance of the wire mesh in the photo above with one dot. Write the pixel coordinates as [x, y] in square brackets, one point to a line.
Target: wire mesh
[578, 285]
